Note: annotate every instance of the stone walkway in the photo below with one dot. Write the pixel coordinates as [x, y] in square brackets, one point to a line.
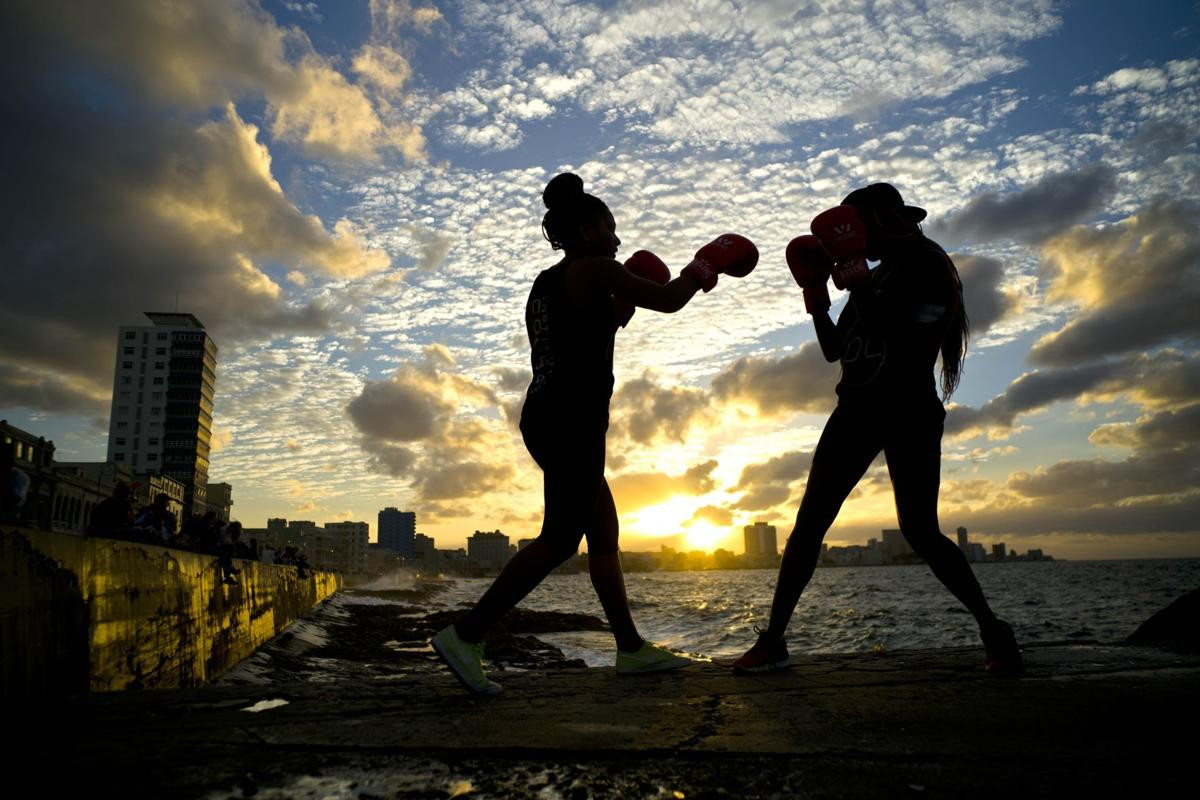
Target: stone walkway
[1087, 719]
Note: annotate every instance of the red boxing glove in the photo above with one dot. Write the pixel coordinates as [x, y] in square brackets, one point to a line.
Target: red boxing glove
[844, 236]
[810, 266]
[646, 265]
[732, 254]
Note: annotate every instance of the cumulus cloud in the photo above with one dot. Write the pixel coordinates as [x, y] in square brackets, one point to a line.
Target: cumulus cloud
[206, 55]
[137, 214]
[986, 300]
[721, 517]
[1163, 379]
[421, 424]
[800, 381]
[645, 412]
[1164, 464]
[152, 207]
[1034, 213]
[767, 484]
[1159, 431]
[634, 490]
[48, 391]
[1137, 284]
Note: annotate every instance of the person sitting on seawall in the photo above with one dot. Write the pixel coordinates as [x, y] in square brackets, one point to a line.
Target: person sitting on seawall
[899, 318]
[572, 315]
[157, 521]
[112, 517]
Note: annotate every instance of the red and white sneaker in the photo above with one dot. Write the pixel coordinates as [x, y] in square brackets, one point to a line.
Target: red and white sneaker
[766, 655]
[1003, 654]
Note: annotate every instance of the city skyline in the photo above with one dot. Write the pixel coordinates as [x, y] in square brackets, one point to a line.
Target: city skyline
[348, 196]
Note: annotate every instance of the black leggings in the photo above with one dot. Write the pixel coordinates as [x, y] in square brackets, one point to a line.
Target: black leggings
[578, 500]
[910, 438]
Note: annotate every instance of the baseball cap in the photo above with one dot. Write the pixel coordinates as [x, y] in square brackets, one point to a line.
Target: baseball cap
[882, 196]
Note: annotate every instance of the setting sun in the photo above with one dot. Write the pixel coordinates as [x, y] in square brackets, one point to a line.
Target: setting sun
[703, 535]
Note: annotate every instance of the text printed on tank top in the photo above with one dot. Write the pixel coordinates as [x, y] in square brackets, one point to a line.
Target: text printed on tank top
[539, 329]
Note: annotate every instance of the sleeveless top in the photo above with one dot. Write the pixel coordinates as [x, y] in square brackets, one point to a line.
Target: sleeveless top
[571, 351]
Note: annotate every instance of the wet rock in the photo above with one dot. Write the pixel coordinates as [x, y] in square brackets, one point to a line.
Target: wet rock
[389, 640]
[1176, 627]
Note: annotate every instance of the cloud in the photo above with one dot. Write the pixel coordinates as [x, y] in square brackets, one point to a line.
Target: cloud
[721, 517]
[767, 484]
[801, 381]
[47, 391]
[1137, 284]
[399, 409]
[141, 213]
[461, 479]
[985, 299]
[207, 55]
[1167, 378]
[1165, 463]
[421, 424]
[645, 411]
[635, 490]
[1164, 430]
[1036, 212]
[689, 75]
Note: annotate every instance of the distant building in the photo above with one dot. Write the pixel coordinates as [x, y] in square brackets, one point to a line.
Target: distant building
[976, 554]
[220, 500]
[424, 547]
[487, 549]
[34, 456]
[760, 541]
[895, 547]
[963, 544]
[281, 533]
[398, 530]
[162, 403]
[348, 544]
[523, 543]
[999, 551]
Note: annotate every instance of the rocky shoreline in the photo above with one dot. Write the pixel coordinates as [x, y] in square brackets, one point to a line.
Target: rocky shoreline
[384, 634]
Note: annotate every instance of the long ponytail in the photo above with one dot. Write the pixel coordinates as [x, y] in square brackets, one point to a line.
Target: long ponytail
[956, 338]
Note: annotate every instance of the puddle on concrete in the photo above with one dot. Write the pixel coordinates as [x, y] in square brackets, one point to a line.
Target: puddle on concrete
[265, 705]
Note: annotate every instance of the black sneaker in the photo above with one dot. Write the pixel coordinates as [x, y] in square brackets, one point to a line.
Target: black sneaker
[1003, 653]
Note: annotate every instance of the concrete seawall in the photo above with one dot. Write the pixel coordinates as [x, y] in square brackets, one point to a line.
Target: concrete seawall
[80, 614]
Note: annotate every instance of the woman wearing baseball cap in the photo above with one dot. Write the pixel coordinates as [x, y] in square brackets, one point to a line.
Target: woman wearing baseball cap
[901, 316]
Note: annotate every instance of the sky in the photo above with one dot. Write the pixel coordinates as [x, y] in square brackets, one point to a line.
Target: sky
[347, 195]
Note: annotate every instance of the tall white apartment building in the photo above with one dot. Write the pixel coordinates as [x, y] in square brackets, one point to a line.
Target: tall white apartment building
[162, 404]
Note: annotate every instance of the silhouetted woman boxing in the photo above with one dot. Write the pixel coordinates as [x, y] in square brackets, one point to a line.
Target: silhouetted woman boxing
[899, 318]
[572, 315]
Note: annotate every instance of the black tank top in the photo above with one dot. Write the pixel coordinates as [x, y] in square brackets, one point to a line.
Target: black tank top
[571, 350]
[891, 343]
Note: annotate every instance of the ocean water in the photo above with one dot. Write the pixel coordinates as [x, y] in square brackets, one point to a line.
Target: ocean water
[859, 609]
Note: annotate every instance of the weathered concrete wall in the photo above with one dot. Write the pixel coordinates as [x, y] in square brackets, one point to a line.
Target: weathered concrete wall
[151, 617]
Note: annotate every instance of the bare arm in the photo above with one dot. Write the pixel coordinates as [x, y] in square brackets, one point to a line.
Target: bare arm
[832, 338]
[611, 276]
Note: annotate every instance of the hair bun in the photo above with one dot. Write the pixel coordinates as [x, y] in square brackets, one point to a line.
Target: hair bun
[563, 189]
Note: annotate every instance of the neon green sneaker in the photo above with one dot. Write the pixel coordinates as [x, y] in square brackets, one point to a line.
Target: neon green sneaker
[464, 659]
[649, 658]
